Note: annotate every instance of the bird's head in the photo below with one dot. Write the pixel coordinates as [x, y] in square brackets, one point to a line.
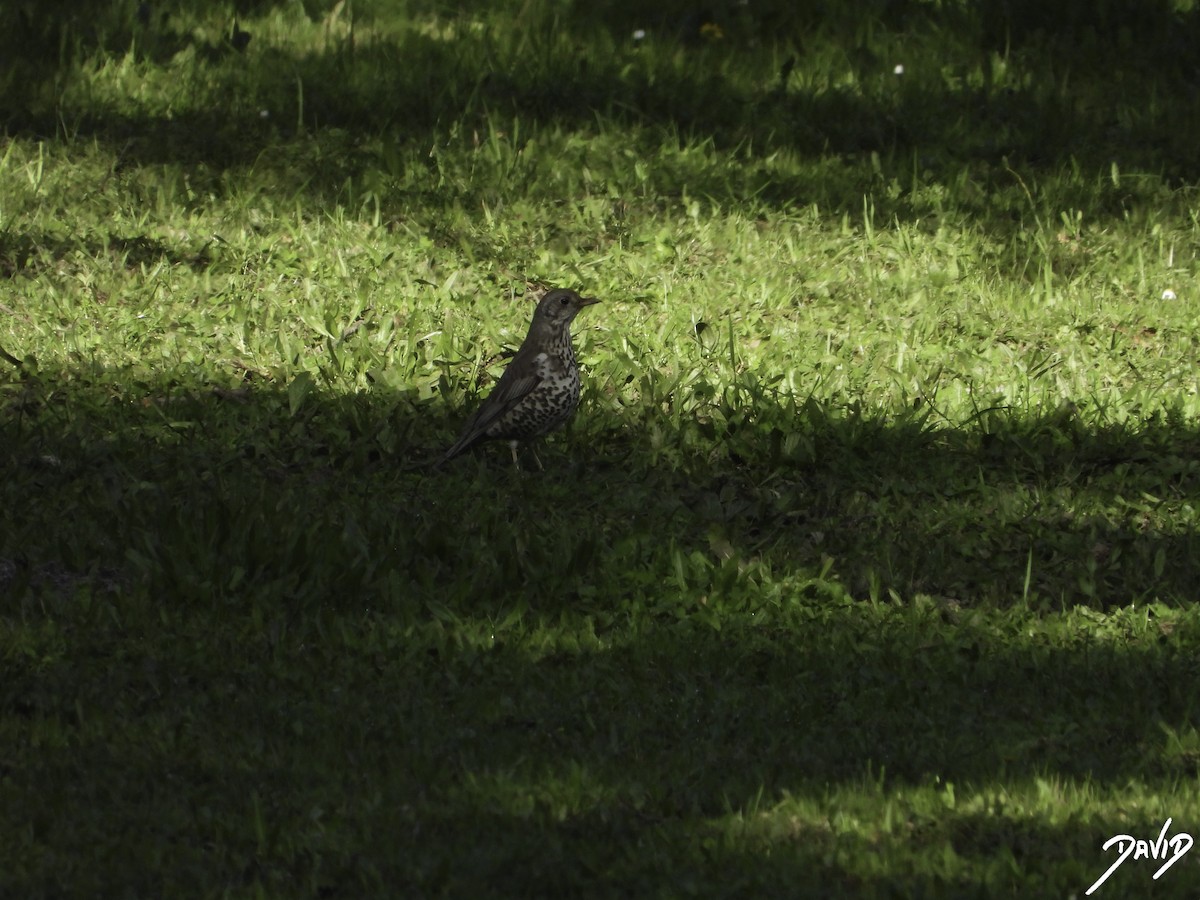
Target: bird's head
[558, 307]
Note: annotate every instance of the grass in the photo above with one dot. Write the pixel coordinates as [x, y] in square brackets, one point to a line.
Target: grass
[866, 568]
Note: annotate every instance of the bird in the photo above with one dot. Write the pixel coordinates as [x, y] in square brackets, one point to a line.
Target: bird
[539, 389]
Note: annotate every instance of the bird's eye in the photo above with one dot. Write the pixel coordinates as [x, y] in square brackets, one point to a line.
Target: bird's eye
[565, 299]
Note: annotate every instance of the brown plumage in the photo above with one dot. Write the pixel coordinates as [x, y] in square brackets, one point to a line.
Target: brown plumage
[539, 390]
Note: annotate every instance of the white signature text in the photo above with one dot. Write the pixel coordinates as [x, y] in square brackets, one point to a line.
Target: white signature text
[1174, 847]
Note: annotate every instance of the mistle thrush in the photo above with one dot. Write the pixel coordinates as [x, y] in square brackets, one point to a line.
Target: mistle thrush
[539, 390]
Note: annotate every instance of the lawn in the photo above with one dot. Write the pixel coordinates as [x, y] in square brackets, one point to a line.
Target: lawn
[868, 566]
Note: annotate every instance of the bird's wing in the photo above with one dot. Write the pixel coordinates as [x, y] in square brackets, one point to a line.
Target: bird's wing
[507, 394]
[510, 390]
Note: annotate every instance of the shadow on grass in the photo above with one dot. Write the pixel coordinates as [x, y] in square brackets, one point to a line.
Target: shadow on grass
[324, 108]
[246, 644]
[1050, 511]
[30, 254]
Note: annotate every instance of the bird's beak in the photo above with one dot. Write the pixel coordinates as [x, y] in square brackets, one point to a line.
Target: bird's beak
[588, 301]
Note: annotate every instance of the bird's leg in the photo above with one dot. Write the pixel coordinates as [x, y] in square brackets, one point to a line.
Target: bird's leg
[512, 445]
[537, 459]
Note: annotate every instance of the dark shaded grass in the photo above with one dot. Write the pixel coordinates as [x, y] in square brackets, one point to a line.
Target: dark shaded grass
[352, 747]
[986, 513]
